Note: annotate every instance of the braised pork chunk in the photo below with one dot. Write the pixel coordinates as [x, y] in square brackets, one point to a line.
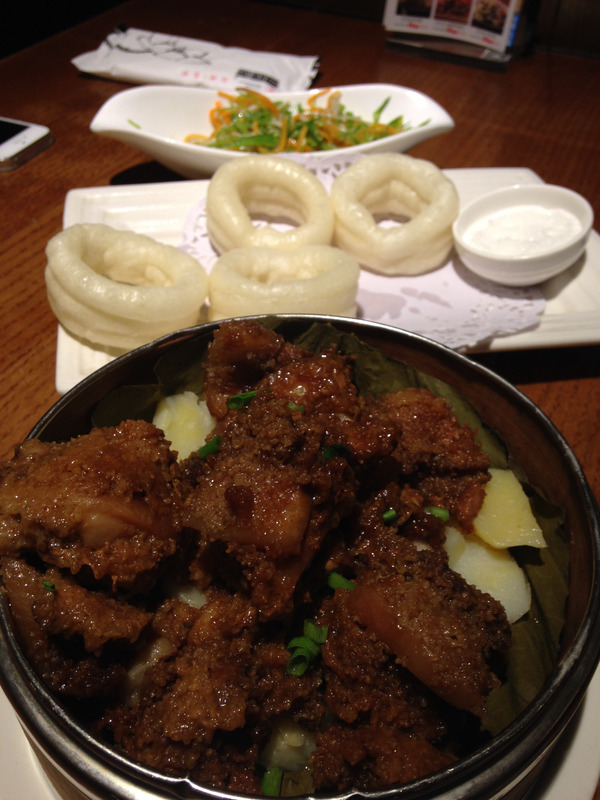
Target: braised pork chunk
[106, 501]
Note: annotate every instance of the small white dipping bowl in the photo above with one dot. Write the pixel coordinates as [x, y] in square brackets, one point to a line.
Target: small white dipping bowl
[523, 235]
[156, 120]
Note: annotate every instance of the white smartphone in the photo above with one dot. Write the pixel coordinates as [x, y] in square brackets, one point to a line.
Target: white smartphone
[20, 141]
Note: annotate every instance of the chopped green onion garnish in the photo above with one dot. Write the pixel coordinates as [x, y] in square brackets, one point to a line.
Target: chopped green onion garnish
[271, 782]
[241, 400]
[134, 124]
[318, 633]
[333, 450]
[389, 515]
[337, 581]
[48, 586]
[441, 513]
[295, 407]
[212, 446]
[304, 643]
[305, 649]
[298, 662]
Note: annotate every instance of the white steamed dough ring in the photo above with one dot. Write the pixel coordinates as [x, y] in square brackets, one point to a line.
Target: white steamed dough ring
[315, 279]
[121, 289]
[395, 184]
[271, 186]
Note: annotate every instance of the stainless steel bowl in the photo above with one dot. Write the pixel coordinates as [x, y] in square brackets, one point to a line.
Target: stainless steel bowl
[81, 765]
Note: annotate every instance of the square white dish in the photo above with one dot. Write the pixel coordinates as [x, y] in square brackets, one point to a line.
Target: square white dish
[572, 300]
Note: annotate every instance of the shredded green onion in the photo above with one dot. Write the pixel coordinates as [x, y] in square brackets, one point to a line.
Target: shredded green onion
[48, 586]
[379, 111]
[441, 513]
[271, 782]
[337, 581]
[253, 122]
[211, 447]
[295, 407]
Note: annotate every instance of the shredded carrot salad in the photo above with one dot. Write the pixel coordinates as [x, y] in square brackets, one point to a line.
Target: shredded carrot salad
[251, 122]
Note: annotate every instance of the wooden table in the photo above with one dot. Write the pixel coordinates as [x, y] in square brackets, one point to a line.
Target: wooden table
[543, 113]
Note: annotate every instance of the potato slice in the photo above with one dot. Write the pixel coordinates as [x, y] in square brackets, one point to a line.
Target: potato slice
[455, 545]
[491, 570]
[289, 746]
[185, 420]
[506, 518]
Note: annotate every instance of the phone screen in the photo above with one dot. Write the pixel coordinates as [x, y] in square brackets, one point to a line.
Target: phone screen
[9, 129]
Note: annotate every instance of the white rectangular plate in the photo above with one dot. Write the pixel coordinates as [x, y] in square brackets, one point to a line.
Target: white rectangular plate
[571, 315]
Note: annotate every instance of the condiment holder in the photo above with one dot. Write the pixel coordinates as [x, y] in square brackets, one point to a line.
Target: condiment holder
[523, 235]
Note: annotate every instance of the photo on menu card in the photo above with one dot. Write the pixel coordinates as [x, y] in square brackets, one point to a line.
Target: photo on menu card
[487, 23]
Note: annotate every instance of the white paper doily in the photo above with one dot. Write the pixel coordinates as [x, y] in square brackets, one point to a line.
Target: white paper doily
[450, 305]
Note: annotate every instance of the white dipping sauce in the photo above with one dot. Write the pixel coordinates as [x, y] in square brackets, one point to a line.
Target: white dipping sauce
[522, 231]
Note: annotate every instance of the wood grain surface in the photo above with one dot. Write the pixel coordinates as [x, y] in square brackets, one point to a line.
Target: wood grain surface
[542, 113]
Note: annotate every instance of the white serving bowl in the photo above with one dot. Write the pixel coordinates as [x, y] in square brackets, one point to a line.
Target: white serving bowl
[156, 119]
[523, 235]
